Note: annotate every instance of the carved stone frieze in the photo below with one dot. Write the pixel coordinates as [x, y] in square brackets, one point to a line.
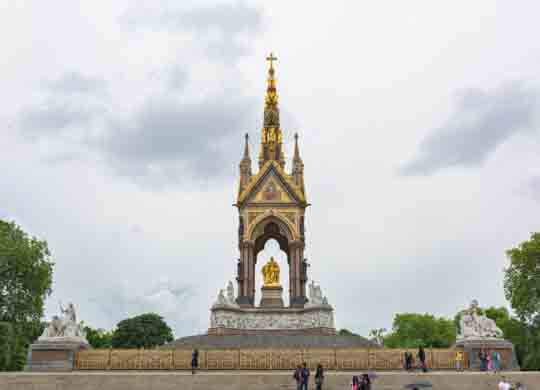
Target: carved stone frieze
[222, 317]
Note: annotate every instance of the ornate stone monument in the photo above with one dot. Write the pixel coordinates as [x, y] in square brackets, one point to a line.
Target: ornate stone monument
[271, 205]
[477, 332]
[55, 349]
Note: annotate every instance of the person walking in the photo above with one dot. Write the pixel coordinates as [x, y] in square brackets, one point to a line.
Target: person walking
[298, 377]
[496, 361]
[319, 377]
[483, 360]
[408, 361]
[365, 382]
[459, 360]
[194, 360]
[422, 358]
[305, 377]
[355, 383]
[504, 384]
[520, 386]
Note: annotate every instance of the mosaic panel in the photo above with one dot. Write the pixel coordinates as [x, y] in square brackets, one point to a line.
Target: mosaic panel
[97, 359]
[156, 359]
[261, 359]
[352, 359]
[125, 359]
[225, 359]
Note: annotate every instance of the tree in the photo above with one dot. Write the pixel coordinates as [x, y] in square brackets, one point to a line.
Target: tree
[522, 279]
[25, 282]
[411, 330]
[522, 289]
[98, 338]
[144, 331]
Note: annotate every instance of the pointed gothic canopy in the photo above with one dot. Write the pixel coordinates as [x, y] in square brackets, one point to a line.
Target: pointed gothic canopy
[271, 155]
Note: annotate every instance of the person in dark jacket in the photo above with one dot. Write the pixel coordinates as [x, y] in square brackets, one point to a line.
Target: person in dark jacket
[298, 377]
[365, 382]
[422, 358]
[194, 360]
[305, 376]
[319, 377]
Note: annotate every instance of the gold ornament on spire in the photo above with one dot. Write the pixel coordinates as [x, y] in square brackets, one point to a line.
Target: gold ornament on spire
[270, 273]
[271, 137]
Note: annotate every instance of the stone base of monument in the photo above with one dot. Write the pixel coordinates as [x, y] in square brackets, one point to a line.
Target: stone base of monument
[57, 355]
[474, 345]
[271, 297]
[312, 320]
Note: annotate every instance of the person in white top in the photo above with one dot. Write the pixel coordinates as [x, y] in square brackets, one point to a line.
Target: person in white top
[504, 384]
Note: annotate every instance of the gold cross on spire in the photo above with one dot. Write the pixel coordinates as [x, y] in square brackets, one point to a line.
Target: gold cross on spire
[271, 59]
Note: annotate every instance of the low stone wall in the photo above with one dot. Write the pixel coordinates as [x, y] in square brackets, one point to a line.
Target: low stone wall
[240, 380]
[260, 359]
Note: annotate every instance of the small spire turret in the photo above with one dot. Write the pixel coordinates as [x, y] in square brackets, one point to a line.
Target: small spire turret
[298, 165]
[245, 166]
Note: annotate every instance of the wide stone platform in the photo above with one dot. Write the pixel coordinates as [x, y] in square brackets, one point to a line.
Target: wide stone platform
[247, 380]
[269, 341]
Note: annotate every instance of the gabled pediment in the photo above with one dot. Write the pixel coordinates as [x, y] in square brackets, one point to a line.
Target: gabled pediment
[271, 185]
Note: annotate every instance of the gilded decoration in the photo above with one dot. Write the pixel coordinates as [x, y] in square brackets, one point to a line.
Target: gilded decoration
[256, 228]
[253, 215]
[291, 216]
[270, 273]
[295, 190]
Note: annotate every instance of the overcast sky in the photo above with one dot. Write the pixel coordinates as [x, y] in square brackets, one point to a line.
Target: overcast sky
[121, 130]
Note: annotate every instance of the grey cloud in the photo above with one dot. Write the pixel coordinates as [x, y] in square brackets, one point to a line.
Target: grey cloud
[531, 188]
[221, 28]
[75, 82]
[164, 297]
[483, 120]
[56, 116]
[168, 140]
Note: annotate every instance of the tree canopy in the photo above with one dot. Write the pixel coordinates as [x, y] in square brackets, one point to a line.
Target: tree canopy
[522, 278]
[98, 338]
[522, 289]
[25, 281]
[411, 330]
[144, 331]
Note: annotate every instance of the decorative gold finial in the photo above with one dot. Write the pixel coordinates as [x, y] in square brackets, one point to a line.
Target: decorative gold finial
[270, 273]
[271, 59]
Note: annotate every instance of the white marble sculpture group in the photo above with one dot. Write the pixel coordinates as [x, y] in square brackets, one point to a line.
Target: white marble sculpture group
[474, 325]
[226, 300]
[65, 328]
[318, 313]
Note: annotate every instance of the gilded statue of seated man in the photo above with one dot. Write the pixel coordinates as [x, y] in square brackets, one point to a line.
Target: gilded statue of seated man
[270, 273]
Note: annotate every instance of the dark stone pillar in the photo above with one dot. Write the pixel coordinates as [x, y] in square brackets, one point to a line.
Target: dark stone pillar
[298, 274]
[246, 282]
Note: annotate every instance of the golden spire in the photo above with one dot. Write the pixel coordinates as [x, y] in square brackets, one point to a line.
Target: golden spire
[271, 137]
[271, 99]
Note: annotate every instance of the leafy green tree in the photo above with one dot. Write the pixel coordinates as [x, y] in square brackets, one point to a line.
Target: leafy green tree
[98, 338]
[144, 331]
[25, 281]
[411, 330]
[522, 279]
[522, 289]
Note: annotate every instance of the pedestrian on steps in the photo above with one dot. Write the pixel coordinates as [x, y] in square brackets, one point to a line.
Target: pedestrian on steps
[298, 377]
[194, 360]
[305, 376]
[319, 377]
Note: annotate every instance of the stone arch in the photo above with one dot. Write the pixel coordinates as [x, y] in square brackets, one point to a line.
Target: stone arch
[256, 228]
